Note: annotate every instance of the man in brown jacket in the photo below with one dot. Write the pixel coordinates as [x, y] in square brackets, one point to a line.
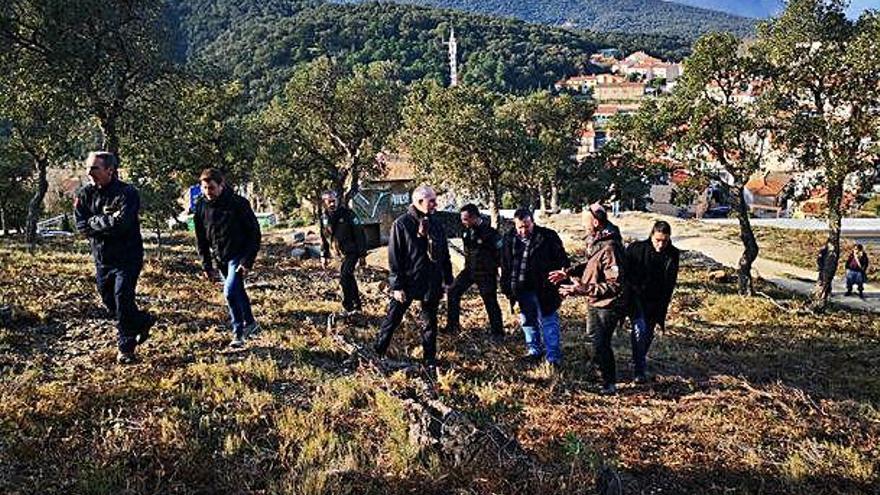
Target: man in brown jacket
[600, 279]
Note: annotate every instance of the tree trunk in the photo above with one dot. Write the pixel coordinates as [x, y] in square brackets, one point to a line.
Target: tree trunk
[110, 138]
[542, 194]
[822, 292]
[750, 245]
[3, 222]
[158, 242]
[554, 196]
[35, 206]
[494, 205]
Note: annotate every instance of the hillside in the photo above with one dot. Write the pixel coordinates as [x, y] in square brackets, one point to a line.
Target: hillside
[630, 16]
[261, 42]
[758, 9]
[749, 398]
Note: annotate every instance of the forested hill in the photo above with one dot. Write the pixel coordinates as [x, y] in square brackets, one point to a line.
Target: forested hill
[630, 16]
[259, 42]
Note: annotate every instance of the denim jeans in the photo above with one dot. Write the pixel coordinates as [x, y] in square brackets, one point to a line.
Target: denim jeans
[855, 278]
[641, 336]
[541, 331]
[236, 297]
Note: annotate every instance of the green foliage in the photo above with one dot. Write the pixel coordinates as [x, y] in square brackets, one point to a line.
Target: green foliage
[631, 16]
[261, 44]
[613, 170]
[464, 137]
[327, 130]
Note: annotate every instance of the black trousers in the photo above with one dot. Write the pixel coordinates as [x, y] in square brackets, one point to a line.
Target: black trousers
[116, 284]
[351, 297]
[601, 323]
[427, 321]
[488, 292]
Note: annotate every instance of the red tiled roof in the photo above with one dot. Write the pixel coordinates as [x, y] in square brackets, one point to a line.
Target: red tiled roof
[768, 184]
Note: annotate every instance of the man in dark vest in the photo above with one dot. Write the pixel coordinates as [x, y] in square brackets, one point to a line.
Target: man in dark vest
[481, 259]
[107, 213]
[228, 238]
[420, 270]
[342, 228]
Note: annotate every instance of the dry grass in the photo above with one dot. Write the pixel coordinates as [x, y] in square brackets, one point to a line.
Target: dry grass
[748, 399]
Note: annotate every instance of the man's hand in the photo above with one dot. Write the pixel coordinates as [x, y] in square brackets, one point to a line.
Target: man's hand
[557, 276]
[242, 270]
[569, 289]
[399, 296]
[211, 274]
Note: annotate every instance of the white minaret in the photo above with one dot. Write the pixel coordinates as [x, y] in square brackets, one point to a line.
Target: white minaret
[453, 58]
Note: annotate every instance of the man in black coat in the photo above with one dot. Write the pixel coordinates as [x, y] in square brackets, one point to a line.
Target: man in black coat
[228, 235]
[342, 228]
[418, 259]
[529, 253]
[481, 258]
[652, 271]
[107, 213]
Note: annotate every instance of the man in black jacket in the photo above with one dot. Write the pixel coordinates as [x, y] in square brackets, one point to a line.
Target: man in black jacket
[528, 254]
[228, 234]
[343, 229]
[107, 213]
[652, 271]
[418, 259]
[481, 256]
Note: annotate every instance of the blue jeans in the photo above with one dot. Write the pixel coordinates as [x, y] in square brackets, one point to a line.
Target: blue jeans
[236, 297]
[540, 330]
[641, 337]
[855, 278]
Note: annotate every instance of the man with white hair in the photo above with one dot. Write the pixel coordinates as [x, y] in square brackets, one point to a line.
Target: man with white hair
[106, 212]
[418, 259]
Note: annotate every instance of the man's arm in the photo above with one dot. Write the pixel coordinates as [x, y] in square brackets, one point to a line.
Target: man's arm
[360, 238]
[252, 231]
[202, 243]
[397, 257]
[612, 271]
[123, 216]
[81, 214]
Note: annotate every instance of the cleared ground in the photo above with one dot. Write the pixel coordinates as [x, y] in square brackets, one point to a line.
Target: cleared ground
[752, 396]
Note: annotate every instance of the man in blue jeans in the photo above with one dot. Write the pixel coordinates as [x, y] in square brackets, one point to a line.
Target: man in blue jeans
[529, 253]
[227, 233]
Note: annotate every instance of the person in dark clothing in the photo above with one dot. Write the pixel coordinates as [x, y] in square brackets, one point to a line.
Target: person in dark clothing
[342, 228]
[651, 274]
[529, 253]
[481, 255]
[107, 213]
[600, 279]
[857, 270]
[418, 259]
[228, 235]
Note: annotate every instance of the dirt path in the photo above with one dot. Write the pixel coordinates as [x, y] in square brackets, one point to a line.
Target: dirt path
[708, 239]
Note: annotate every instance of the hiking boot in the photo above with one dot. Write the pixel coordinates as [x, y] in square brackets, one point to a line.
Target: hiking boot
[144, 334]
[126, 357]
[610, 389]
[848, 293]
[861, 295]
[532, 359]
[237, 340]
[451, 329]
[640, 379]
[251, 330]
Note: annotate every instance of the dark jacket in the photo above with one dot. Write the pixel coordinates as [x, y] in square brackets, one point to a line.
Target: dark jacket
[419, 265]
[226, 229]
[602, 275]
[343, 229]
[859, 264]
[651, 277]
[482, 251]
[546, 254]
[108, 216]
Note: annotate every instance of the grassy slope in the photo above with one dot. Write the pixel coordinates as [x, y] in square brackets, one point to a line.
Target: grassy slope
[750, 398]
